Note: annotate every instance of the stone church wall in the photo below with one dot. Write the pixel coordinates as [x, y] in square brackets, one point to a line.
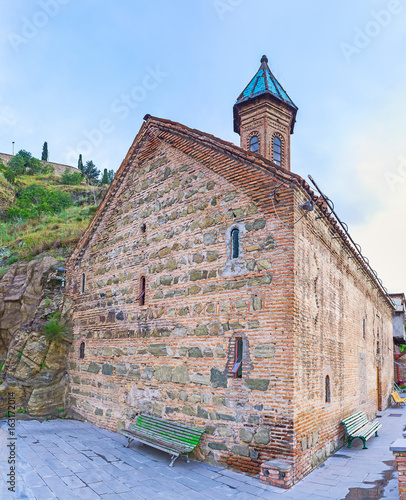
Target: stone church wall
[173, 356]
[303, 309]
[343, 331]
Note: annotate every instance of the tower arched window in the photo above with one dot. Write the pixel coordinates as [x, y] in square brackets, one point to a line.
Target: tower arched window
[235, 243]
[83, 282]
[254, 144]
[327, 389]
[277, 150]
[82, 350]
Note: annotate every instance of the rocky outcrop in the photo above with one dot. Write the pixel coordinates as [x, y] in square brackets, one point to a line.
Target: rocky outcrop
[34, 366]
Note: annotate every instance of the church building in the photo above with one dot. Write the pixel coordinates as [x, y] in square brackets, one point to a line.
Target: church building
[215, 288]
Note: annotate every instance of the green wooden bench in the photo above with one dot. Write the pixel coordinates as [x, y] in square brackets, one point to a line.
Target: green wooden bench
[358, 426]
[172, 437]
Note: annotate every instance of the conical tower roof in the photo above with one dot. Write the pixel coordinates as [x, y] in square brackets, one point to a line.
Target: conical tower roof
[264, 82]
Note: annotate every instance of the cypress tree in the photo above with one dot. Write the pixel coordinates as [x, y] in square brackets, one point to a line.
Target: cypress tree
[80, 163]
[44, 156]
[105, 179]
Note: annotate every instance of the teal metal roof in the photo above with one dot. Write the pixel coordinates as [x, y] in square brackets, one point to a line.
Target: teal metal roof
[264, 82]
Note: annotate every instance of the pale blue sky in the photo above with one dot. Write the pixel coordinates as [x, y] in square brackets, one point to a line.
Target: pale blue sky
[68, 67]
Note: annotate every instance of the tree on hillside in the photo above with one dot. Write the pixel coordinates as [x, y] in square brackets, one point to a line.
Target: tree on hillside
[80, 163]
[24, 163]
[44, 156]
[17, 165]
[108, 176]
[91, 171]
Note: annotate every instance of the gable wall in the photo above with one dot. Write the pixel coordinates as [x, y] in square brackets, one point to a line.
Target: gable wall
[332, 297]
[173, 356]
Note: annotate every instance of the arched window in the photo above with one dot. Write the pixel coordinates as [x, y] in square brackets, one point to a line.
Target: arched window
[82, 350]
[83, 282]
[277, 150]
[254, 144]
[141, 295]
[143, 228]
[327, 389]
[235, 243]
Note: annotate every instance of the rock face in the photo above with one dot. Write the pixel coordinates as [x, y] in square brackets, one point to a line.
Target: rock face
[34, 367]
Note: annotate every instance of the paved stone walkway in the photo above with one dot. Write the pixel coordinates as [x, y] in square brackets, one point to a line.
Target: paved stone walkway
[70, 460]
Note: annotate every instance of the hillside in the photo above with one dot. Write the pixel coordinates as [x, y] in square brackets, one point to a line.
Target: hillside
[40, 215]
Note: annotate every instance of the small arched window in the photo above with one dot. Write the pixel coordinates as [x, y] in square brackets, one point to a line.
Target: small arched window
[254, 144]
[277, 150]
[327, 390]
[82, 350]
[141, 295]
[83, 282]
[143, 228]
[237, 367]
[235, 243]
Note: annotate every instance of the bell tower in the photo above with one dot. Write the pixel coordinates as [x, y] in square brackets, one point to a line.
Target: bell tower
[264, 117]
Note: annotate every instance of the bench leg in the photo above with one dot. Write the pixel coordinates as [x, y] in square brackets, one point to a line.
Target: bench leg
[187, 458]
[349, 442]
[173, 458]
[129, 441]
[376, 433]
[365, 443]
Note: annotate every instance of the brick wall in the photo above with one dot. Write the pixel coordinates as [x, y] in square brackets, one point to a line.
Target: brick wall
[333, 298]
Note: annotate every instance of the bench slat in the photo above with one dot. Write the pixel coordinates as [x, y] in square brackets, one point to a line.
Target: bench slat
[173, 442]
[169, 434]
[169, 431]
[150, 418]
[163, 442]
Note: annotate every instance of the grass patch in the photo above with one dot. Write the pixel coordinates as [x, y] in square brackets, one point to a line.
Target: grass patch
[55, 327]
[3, 271]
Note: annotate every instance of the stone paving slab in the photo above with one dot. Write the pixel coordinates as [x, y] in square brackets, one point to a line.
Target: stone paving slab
[67, 459]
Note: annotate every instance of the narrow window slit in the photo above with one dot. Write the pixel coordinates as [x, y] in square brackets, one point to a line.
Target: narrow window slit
[327, 388]
[82, 350]
[235, 242]
[237, 368]
[141, 295]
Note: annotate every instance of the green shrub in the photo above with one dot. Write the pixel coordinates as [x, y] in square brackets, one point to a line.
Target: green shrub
[17, 165]
[36, 201]
[55, 327]
[12, 259]
[9, 175]
[92, 209]
[71, 179]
